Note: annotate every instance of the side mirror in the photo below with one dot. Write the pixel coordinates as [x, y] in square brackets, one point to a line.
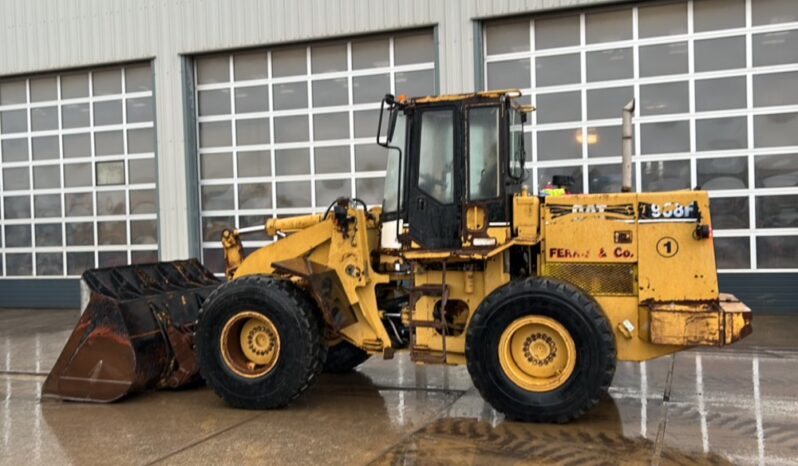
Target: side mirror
[389, 102]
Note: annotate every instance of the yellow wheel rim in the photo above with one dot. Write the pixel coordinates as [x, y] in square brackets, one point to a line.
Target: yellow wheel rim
[250, 344]
[537, 353]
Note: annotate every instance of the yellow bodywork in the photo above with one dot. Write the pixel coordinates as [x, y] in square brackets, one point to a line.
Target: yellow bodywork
[639, 256]
[317, 247]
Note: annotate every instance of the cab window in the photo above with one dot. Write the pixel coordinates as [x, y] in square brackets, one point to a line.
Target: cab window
[517, 151]
[394, 176]
[483, 153]
[436, 155]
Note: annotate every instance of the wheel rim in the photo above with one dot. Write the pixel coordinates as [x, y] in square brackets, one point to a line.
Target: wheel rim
[250, 344]
[537, 353]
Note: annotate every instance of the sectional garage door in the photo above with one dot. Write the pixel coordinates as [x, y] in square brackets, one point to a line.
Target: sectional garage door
[77, 155]
[716, 85]
[284, 131]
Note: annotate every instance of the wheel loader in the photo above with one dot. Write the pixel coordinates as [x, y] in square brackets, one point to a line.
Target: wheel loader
[537, 294]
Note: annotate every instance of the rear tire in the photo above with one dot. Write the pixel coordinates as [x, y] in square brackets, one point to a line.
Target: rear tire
[343, 357]
[293, 335]
[561, 320]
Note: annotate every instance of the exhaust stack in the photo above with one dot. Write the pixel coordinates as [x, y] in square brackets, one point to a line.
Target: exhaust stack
[628, 134]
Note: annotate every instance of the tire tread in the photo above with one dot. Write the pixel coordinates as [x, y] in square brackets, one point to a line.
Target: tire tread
[310, 323]
[478, 370]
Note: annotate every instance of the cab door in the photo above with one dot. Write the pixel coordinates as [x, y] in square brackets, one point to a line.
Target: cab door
[435, 186]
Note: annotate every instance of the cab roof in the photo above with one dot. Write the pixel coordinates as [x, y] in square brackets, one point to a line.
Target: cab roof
[495, 94]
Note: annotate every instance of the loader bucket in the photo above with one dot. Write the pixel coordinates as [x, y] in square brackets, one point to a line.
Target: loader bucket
[135, 333]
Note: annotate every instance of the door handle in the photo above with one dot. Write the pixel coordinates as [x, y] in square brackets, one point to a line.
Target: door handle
[420, 203]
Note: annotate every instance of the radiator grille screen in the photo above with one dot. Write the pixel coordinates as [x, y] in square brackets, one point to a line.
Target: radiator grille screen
[596, 279]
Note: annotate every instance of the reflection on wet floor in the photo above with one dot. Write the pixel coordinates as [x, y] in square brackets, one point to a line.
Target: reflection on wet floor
[736, 406]
[597, 439]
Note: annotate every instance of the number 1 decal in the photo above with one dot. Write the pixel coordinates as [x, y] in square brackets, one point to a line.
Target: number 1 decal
[667, 247]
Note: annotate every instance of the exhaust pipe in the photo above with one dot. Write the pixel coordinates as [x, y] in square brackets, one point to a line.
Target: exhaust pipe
[628, 134]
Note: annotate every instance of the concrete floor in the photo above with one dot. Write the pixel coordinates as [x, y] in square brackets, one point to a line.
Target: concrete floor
[739, 405]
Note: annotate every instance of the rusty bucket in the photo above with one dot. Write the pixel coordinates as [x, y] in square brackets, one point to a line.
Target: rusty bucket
[135, 333]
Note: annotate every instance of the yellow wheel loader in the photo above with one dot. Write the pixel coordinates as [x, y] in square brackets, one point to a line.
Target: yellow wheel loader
[538, 295]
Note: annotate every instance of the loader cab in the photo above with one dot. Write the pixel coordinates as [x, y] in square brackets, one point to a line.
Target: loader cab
[454, 164]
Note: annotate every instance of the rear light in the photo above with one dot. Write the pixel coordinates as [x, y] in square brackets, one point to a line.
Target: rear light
[702, 232]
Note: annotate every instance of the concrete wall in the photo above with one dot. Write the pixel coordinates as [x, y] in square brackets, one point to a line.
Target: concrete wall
[42, 35]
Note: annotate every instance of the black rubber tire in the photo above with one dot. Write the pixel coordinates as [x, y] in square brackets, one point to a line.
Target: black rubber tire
[302, 348]
[343, 357]
[572, 308]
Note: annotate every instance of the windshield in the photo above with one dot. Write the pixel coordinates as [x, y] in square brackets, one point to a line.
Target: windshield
[517, 153]
[394, 174]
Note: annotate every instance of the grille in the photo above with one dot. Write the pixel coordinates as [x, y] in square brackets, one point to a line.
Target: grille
[596, 279]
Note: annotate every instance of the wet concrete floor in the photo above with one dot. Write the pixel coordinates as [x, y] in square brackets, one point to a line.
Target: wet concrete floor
[736, 406]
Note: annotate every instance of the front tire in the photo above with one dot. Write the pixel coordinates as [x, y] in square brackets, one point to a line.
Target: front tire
[259, 342]
[540, 350]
